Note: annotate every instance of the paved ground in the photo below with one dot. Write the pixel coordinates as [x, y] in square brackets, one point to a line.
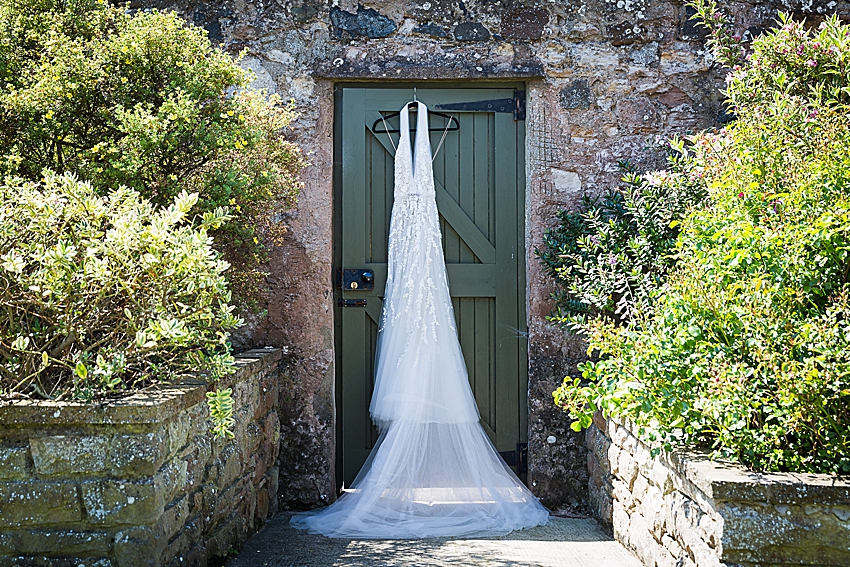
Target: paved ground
[565, 542]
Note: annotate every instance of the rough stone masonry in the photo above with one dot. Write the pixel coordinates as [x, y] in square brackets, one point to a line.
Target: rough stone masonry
[682, 509]
[141, 481]
[605, 79]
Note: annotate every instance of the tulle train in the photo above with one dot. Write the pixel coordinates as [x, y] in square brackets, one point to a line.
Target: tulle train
[433, 480]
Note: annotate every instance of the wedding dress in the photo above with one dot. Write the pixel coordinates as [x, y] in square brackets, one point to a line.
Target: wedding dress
[434, 471]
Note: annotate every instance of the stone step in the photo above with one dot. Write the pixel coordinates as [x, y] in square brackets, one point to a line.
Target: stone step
[565, 542]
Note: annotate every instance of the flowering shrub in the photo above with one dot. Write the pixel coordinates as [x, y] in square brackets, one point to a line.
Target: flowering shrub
[747, 347]
[104, 293]
[144, 101]
[793, 63]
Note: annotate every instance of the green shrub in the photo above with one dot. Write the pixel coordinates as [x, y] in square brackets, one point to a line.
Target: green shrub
[609, 258]
[144, 101]
[747, 348]
[100, 294]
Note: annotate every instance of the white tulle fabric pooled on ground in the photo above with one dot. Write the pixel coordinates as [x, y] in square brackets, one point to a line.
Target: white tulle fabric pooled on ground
[434, 471]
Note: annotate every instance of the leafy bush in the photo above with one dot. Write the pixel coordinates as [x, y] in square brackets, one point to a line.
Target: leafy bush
[105, 293]
[747, 348]
[144, 101]
[610, 257]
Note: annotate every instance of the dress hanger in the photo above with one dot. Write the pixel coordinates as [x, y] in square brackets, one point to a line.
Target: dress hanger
[390, 115]
[415, 106]
[446, 130]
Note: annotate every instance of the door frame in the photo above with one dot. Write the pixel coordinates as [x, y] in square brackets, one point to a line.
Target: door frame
[337, 226]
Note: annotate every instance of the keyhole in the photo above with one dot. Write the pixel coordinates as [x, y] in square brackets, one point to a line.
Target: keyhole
[353, 285]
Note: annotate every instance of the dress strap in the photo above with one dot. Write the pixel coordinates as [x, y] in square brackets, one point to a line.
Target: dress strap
[404, 127]
[404, 155]
[422, 157]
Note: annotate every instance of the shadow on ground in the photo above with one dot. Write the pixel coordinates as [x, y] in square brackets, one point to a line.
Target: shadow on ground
[565, 542]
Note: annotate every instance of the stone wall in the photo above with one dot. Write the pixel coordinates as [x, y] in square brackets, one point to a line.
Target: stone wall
[603, 79]
[680, 510]
[139, 481]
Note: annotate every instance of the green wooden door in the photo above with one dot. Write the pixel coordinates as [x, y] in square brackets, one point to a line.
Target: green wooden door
[480, 181]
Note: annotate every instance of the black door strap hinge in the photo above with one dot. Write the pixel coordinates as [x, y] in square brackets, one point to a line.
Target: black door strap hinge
[515, 105]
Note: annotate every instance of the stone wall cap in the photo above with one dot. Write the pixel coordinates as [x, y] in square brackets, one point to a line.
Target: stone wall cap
[151, 405]
[730, 482]
[725, 481]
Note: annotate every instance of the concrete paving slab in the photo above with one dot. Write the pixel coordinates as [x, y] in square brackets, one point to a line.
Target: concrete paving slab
[565, 542]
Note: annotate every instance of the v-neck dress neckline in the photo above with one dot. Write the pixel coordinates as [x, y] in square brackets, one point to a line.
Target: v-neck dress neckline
[421, 151]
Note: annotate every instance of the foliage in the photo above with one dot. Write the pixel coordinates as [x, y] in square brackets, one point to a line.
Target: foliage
[221, 411]
[100, 294]
[747, 349]
[723, 43]
[144, 101]
[610, 257]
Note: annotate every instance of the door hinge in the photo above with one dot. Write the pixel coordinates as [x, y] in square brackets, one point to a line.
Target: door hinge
[351, 302]
[518, 458]
[515, 105]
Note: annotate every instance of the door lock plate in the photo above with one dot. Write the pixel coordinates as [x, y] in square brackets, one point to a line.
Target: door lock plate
[358, 280]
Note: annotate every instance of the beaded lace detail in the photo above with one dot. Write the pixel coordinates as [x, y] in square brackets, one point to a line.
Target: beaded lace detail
[415, 256]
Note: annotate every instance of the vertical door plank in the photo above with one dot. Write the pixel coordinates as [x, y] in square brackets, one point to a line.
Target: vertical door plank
[493, 358]
[463, 195]
[482, 358]
[389, 198]
[466, 334]
[354, 170]
[507, 399]
[480, 214]
[466, 185]
[372, 333]
[482, 180]
[377, 201]
[522, 315]
[454, 179]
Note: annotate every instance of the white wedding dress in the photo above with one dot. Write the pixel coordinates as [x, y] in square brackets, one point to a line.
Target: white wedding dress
[434, 471]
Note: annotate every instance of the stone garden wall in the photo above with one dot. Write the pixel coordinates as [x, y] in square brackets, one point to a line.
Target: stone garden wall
[139, 481]
[603, 79]
[680, 511]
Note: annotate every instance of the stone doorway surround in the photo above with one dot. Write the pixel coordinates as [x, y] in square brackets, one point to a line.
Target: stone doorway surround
[604, 79]
[557, 470]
